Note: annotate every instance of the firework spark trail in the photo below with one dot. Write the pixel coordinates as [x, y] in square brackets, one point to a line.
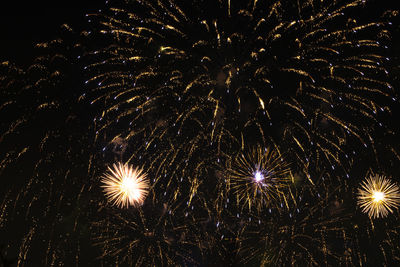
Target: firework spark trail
[307, 82]
[152, 235]
[42, 155]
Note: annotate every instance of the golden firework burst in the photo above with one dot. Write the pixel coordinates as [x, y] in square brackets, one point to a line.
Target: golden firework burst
[378, 196]
[125, 186]
[259, 176]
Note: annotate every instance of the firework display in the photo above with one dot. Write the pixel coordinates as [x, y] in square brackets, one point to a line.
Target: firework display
[307, 82]
[205, 133]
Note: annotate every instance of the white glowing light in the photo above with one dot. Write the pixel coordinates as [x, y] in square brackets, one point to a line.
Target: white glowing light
[378, 196]
[258, 176]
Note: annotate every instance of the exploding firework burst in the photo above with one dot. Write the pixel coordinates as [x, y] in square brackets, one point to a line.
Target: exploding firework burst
[378, 196]
[258, 177]
[308, 79]
[149, 236]
[125, 186]
[320, 229]
[295, 236]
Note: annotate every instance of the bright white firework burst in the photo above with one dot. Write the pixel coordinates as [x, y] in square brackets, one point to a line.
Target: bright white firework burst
[125, 186]
[377, 196]
[259, 176]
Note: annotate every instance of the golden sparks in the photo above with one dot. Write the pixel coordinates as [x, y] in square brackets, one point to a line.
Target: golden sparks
[125, 186]
[378, 195]
[259, 176]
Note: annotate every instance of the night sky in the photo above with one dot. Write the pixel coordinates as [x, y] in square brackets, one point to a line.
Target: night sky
[249, 138]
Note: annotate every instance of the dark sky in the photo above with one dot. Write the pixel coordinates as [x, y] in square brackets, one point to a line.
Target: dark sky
[23, 23]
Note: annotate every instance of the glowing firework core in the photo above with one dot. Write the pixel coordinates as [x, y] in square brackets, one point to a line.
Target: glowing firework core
[258, 176]
[125, 186]
[129, 188]
[378, 196]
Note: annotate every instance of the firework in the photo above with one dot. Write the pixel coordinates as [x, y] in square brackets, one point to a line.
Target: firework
[378, 196]
[317, 229]
[39, 134]
[307, 81]
[259, 176]
[148, 236]
[125, 186]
